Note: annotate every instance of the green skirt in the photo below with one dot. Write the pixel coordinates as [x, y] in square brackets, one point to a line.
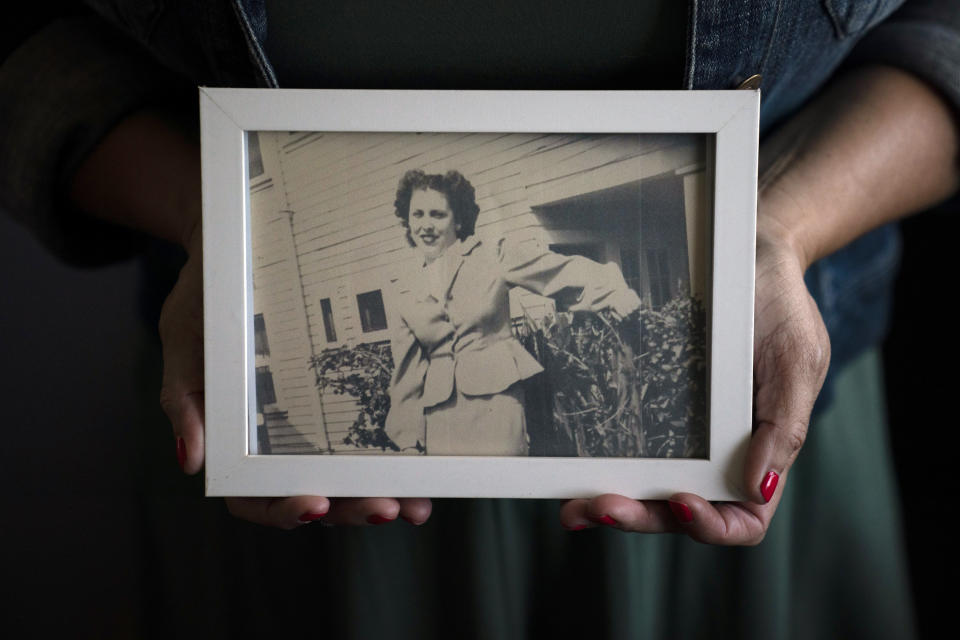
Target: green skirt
[832, 564]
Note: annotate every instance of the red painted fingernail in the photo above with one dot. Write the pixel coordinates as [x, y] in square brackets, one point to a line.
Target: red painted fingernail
[310, 517]
[769, 485]
[378, 519]
[604, 519]
[181, 452]
[681, 511]
[576, 527]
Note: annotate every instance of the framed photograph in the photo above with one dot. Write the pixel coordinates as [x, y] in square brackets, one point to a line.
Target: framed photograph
[478, 293]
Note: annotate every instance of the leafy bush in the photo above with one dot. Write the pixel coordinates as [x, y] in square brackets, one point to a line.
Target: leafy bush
[362, 372]
[592, 380]
[673, 384]
[634, 387]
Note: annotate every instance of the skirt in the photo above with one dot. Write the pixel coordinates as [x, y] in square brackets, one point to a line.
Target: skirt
[490, 425]
[832, 564]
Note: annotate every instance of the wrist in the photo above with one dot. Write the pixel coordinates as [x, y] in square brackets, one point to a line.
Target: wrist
[783, 228]
[192, 237]
[875, 146]
[145, 175]
[186, 215]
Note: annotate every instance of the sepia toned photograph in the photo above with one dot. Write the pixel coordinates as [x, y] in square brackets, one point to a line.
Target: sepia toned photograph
[480, 294]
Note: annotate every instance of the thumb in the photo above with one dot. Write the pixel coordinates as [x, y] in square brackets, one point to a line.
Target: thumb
[790, 367]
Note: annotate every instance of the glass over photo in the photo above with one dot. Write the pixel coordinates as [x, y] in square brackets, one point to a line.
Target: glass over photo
[471, 294]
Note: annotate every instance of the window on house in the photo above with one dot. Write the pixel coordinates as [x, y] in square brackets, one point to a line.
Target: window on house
[253, 154]
[261, 346]
[263, 440]
[326, 312]
[266, 394]
[373, 317]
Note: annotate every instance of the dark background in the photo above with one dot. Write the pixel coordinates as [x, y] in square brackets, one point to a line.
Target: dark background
[921, 360]
[68, 542]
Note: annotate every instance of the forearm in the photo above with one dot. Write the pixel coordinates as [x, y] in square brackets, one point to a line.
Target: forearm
[61, 92]
[876, 146]
[145, 175]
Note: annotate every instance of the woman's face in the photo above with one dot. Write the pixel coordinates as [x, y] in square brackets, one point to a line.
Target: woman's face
[432, 225]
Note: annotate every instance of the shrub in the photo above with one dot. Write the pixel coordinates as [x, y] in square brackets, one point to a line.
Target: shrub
[673, 381]
[634, 387]
[362, 372]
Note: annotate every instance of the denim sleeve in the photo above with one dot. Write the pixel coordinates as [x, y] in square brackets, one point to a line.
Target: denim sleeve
[854, 286]
[61, 91]
[923, 38]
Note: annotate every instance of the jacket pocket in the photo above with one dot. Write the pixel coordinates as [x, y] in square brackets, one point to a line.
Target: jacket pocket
[494, 368]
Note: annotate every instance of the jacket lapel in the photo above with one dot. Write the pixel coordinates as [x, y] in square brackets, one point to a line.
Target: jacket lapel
[456, 257]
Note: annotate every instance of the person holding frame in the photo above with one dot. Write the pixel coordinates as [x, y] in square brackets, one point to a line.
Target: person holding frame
[841, 155]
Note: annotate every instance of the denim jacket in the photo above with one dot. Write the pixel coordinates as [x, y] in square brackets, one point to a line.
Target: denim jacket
[64, 88]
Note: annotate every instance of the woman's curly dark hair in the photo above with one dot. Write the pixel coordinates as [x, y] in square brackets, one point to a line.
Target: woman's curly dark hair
[459, 193]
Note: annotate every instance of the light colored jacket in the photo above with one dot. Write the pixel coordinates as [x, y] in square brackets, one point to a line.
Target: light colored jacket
[464, 340]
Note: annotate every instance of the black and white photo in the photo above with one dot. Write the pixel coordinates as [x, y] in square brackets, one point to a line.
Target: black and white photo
[480, 294]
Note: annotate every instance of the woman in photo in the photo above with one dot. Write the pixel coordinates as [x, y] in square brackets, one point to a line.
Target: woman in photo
[456, 383]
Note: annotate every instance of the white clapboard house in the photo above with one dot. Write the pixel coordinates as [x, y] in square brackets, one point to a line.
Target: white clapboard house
[326, 242]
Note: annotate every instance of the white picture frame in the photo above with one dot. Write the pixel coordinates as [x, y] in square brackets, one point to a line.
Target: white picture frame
[729, 119]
